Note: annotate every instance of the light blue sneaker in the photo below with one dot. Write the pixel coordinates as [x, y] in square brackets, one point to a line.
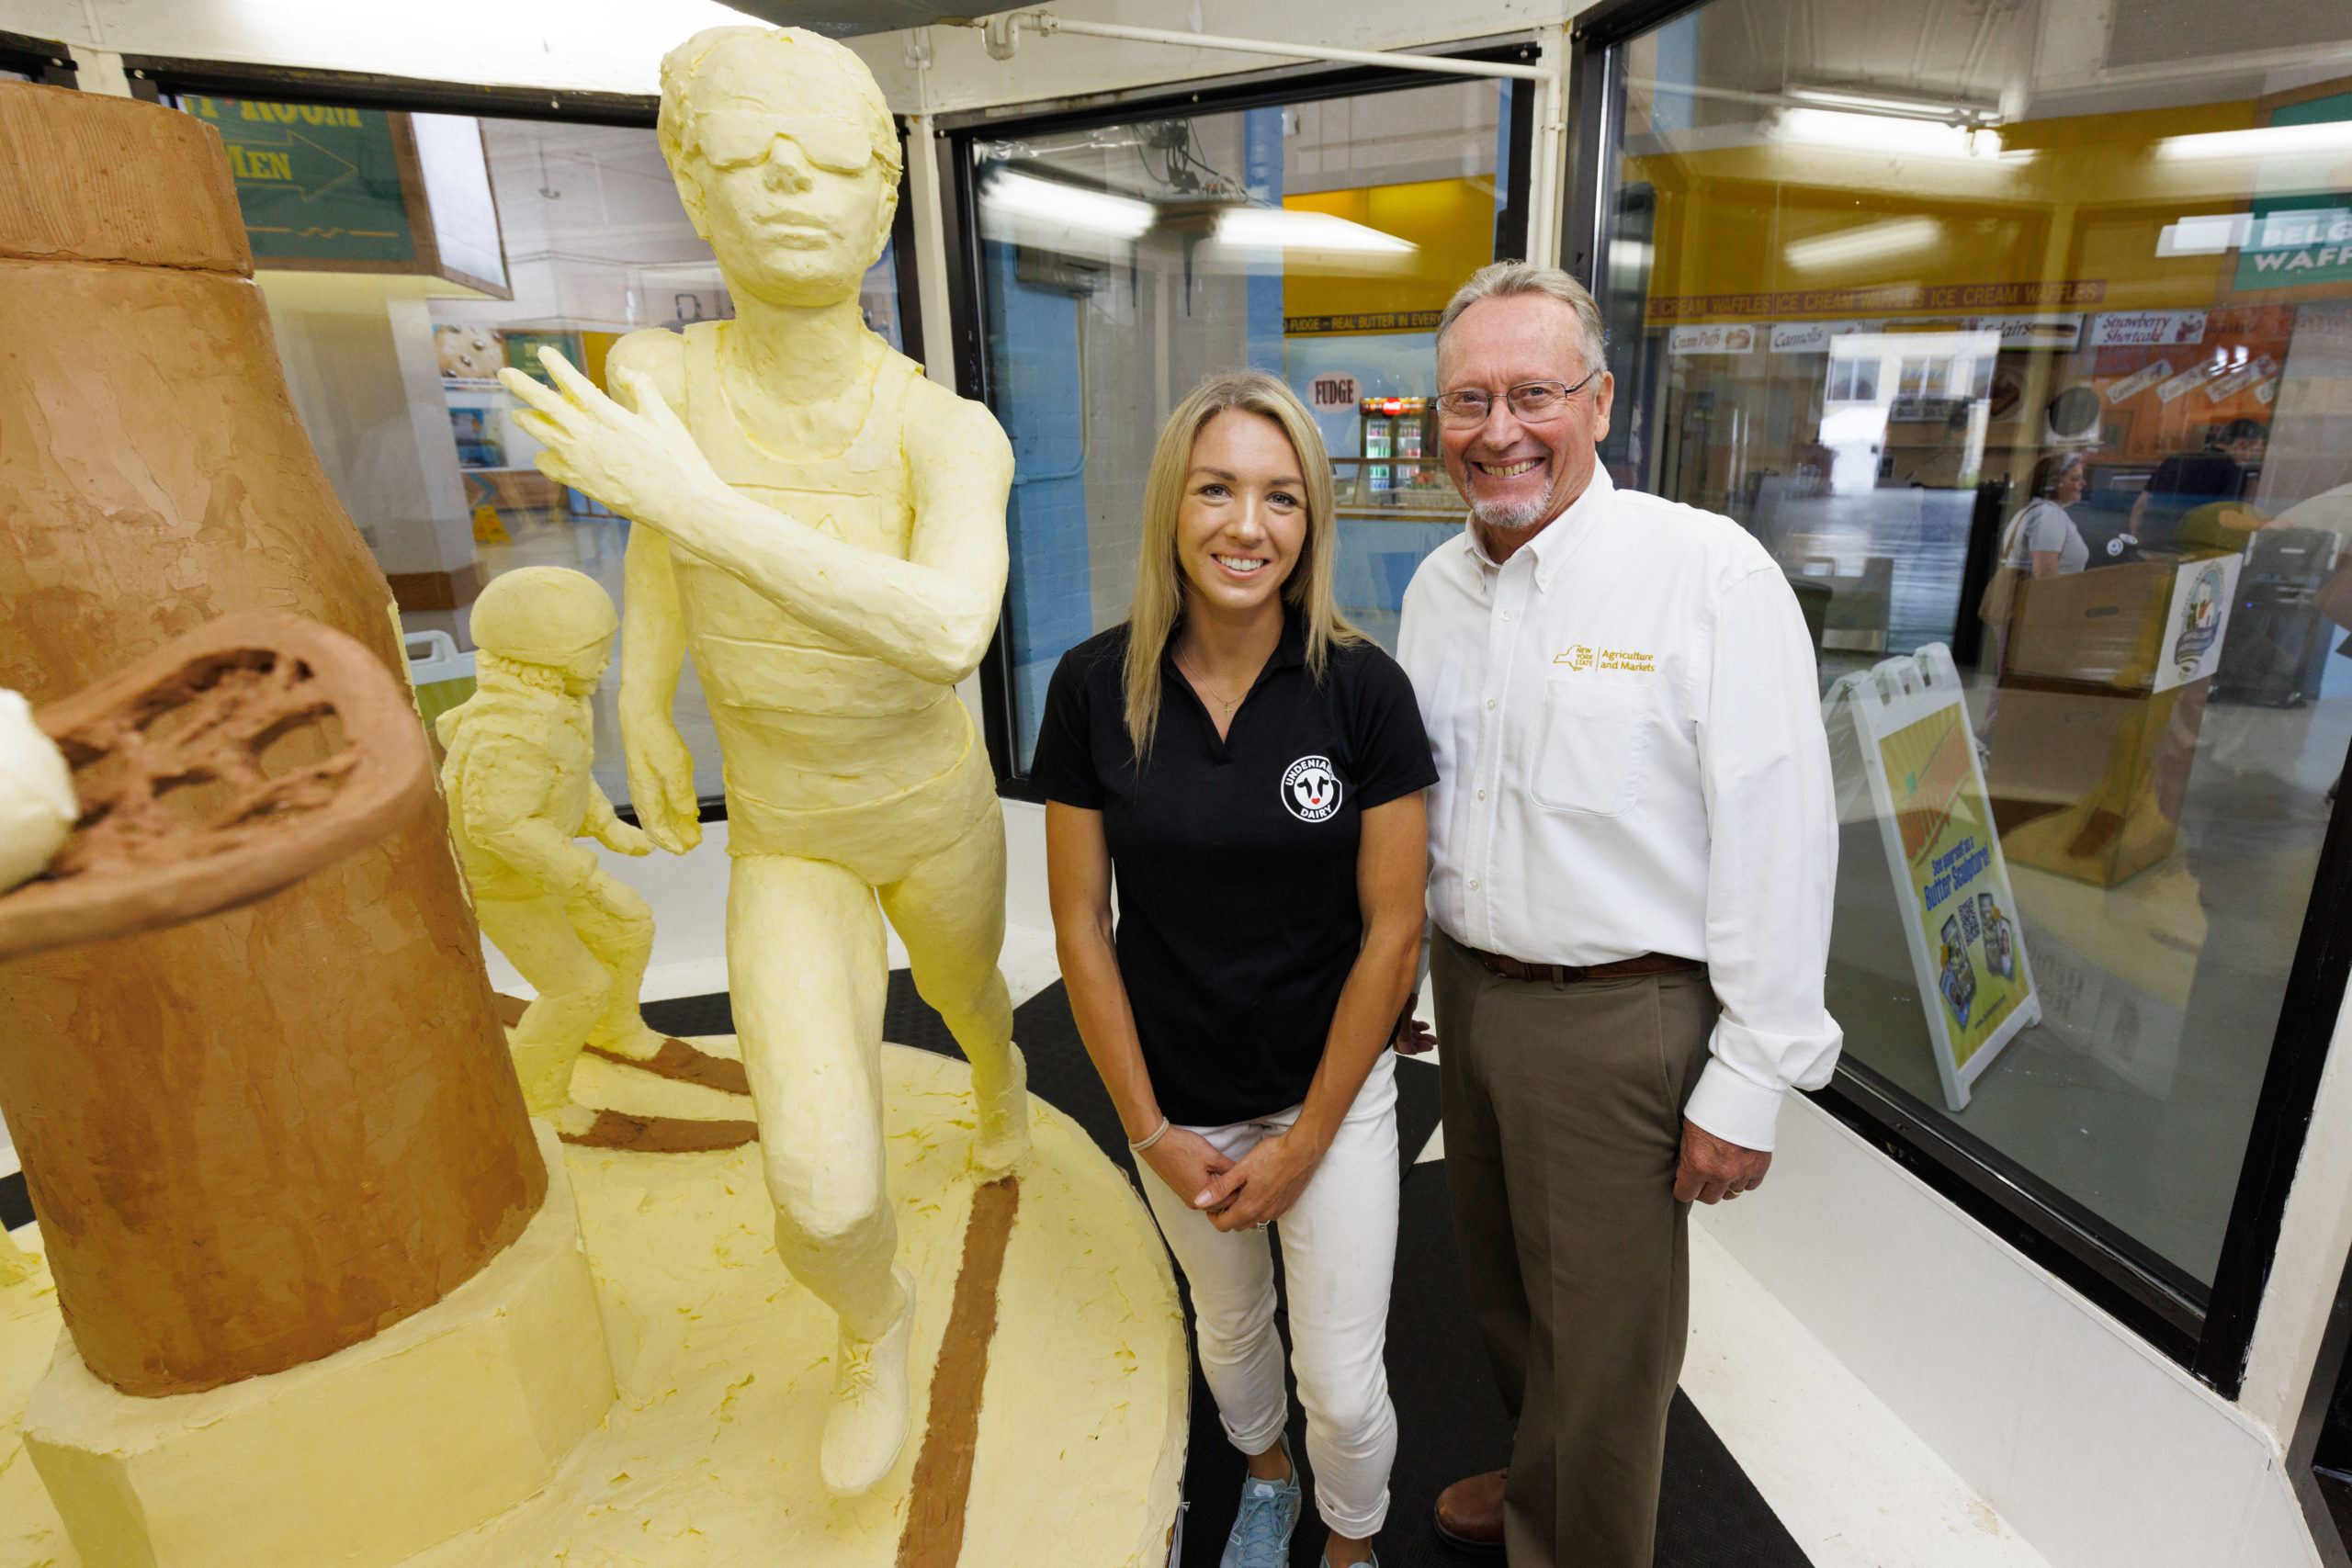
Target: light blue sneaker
[1260, 1537]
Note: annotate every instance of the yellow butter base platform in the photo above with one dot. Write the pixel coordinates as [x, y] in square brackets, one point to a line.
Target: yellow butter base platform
[709, 1457]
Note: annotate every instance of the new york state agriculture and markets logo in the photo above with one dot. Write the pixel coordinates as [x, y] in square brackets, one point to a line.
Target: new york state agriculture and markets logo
[1311, 789]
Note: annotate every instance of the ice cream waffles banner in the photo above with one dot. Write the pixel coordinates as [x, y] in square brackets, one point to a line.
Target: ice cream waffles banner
[1910, 723]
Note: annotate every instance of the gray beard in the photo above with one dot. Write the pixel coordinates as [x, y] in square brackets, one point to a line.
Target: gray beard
[1513, 516]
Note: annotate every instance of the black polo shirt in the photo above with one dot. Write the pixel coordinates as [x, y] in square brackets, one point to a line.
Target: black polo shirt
[1235, 859]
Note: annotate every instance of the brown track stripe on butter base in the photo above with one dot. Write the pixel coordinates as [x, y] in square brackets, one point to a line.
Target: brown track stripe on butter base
[662, 1135]
[681, 1063]
[933, 1536]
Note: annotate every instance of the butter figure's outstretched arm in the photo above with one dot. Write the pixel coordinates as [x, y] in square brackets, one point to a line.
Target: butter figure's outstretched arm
[506, 783]
[653, 645]
[930, 615]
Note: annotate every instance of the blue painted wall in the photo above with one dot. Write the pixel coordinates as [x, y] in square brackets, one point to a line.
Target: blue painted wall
[1039, 401]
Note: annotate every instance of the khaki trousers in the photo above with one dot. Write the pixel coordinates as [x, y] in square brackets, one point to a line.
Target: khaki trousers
[1563, 1108]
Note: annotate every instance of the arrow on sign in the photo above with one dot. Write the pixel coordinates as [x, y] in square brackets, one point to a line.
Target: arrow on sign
[350, 169]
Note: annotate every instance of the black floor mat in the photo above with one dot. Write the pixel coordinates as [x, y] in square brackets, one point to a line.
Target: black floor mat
[1450, 1421]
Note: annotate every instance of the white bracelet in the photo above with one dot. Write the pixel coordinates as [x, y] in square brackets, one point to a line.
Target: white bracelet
[1158, 1133]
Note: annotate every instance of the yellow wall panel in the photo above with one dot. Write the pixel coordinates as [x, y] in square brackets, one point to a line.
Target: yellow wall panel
[1449, 222]
[2068, 217]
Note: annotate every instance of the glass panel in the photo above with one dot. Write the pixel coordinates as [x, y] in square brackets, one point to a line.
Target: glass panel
[393, 372]
[2027, 334]
[1124, 264]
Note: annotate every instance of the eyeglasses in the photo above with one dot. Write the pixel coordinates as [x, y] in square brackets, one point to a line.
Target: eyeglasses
[737, 139]
[1531, 401]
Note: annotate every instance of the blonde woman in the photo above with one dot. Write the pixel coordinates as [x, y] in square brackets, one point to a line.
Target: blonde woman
[1249, 767]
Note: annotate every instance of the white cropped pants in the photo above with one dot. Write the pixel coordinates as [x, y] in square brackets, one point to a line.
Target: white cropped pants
[1339, 1256]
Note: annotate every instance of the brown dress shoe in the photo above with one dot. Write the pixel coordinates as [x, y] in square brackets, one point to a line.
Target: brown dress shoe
[1470, 1512]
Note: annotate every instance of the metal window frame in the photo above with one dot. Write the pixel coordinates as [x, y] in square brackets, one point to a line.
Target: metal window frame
[44, 60]
[2208, 1330]
[153, 74]
[966, 283]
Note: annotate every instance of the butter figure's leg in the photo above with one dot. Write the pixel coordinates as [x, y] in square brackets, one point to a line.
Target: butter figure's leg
[616, 924]
[808, 972]
[950, 913]
[537, 938]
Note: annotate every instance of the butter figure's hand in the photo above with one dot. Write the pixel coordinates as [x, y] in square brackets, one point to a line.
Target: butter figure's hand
[662, 783]
[643, 465]
[621, 838]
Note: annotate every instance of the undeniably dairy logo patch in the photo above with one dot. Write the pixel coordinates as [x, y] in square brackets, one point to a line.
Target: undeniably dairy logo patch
[1311, 789]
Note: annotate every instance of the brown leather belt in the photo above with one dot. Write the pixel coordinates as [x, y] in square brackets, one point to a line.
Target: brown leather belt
[1570, 974]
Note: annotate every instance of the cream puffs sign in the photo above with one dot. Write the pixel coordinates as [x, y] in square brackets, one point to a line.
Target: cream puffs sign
[1729, 337]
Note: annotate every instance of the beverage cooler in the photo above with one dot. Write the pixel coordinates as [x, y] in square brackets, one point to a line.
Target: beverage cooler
[1401, 466]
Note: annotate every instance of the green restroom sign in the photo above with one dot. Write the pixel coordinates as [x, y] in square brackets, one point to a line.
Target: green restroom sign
[316, 183]
[2295, 239]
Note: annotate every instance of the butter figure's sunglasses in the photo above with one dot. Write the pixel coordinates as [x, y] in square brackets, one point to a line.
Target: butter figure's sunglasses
[737, 139]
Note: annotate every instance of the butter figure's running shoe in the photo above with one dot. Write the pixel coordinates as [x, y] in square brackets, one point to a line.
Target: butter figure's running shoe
[867, 1425]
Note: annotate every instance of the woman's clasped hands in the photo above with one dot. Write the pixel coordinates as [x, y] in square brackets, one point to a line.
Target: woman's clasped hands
[1254, 1190]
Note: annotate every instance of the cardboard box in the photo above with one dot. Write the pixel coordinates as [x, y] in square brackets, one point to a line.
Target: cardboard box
[2103, 628]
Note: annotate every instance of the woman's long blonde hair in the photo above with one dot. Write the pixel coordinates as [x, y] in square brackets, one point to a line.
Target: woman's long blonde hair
[1159, 604]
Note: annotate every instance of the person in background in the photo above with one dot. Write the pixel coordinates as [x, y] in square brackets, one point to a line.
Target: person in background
[1250, 768]
[2187, 481]
[1633, 843]
[2042, 540]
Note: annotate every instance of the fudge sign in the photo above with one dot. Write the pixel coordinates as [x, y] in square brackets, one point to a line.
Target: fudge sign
[1334, 393]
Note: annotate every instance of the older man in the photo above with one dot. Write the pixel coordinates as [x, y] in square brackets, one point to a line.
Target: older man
[1632, 843]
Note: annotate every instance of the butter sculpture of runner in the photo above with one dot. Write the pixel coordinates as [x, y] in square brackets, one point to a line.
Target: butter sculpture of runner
[824, 529]
[520, 792]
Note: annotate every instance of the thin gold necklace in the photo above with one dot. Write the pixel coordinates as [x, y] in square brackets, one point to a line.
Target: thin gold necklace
[1201, 682]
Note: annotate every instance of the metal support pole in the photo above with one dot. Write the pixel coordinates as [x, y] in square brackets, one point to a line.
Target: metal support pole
[1546, 169]
[1002, 39]
[924, 194]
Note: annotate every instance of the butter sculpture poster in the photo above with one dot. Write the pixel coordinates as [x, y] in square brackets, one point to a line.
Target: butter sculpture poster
[1952, 884]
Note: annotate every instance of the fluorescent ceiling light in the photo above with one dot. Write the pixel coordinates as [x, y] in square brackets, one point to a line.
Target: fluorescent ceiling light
[1050, 201]
[1286, 228]
[1909, 109]
[1875, 242]
[1892, 136]
[2211, 235]
[2329, 137]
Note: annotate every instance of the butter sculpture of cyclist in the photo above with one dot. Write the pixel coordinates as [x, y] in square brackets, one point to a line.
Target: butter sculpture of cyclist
[520, 792]
[824, 529]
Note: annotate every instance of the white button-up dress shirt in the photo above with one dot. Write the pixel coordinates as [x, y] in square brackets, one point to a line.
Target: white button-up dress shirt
[1631, 759]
